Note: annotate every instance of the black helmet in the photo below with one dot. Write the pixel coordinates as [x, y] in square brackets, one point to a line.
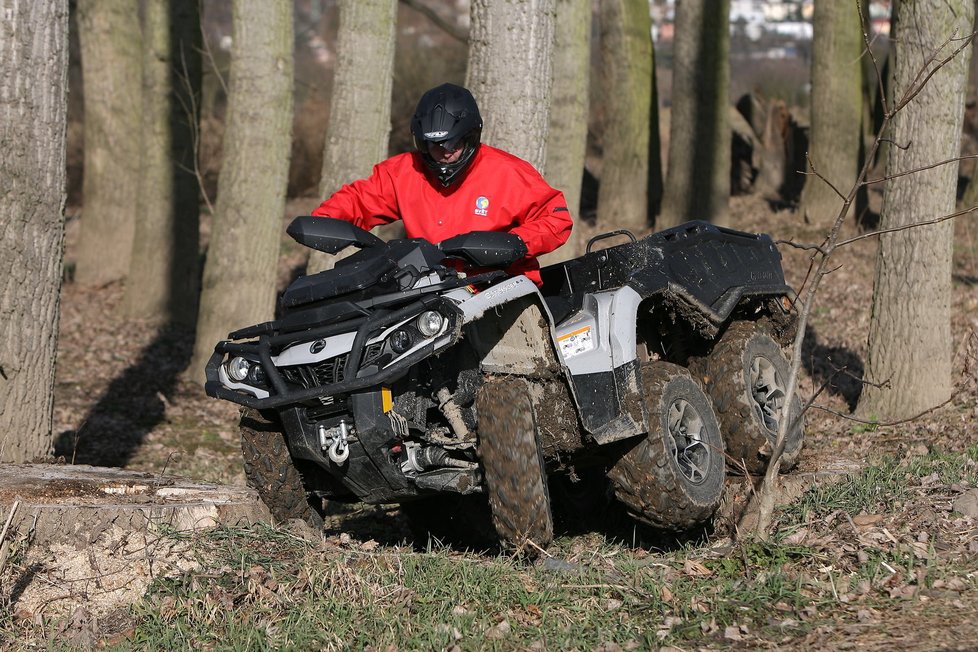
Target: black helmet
[447, 115]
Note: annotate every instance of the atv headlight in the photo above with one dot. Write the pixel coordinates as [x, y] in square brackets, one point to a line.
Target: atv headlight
[430, 322]
[237, 368]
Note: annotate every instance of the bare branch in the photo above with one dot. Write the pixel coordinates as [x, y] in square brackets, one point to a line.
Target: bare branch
[816, 173]
[804, 247]
[437, 20]
[912, 225]
[916, 87]
[872, 56]
[193, 114]
[897, 175]
[886, 424]
[210, 57]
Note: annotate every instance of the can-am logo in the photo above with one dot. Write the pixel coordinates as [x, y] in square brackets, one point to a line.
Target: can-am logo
[435, 134]
[482, 206]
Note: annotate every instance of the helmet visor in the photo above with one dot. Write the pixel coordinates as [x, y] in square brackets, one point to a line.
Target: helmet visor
[446, 151]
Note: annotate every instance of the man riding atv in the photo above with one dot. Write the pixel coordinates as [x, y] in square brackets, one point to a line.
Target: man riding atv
[394, 378]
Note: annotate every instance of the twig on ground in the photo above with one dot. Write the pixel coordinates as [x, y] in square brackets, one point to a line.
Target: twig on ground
[4, 544]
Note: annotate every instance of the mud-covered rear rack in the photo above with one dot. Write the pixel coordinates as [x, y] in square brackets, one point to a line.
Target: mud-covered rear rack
[282, 393]
[701, 269]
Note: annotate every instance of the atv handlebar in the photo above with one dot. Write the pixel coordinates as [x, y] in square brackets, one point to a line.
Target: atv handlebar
[486, 248]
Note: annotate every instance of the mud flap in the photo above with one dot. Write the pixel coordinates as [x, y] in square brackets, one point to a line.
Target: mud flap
[611, 404]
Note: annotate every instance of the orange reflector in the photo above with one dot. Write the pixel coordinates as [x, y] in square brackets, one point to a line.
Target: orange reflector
[387, 399]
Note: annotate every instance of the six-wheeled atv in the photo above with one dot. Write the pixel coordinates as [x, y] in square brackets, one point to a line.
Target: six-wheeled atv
[395, 378]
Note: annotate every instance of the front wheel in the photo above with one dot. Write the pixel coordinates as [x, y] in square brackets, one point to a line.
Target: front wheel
[673, 477]
[512, 462]
[270, 470]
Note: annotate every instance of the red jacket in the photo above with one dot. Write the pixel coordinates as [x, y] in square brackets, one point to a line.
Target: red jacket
[499, 192]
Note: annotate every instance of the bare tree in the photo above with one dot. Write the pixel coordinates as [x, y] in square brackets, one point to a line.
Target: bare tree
[910, 347]
[239, 275]
[511, 72]
[162, 285]
[567, 134]
[931, 61]
[698, 173]
[111, 58]
[836, 108]
[33, 83]
[626, 66]
[359, 119]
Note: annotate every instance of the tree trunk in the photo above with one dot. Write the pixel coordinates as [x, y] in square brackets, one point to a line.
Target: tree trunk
[510, 73]
[239, 276]
[33, 83]
[360, 111]
[910, 345]
[162, 286]
[698, 174]
[836, 110]
[626, 65]
[886, 71]
[656, 185]
[567, 134]
[111, 68]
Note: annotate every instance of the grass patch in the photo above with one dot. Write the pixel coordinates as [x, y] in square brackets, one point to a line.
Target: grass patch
[886, 485]
[269, 590]
[262, 588]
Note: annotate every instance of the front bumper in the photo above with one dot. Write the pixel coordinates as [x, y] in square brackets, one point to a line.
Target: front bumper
[356, 376]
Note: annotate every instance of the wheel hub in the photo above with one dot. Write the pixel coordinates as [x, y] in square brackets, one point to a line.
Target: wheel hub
[767, 392]
[686, 441]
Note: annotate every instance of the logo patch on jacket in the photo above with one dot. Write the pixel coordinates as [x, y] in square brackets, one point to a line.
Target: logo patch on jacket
[482, 206]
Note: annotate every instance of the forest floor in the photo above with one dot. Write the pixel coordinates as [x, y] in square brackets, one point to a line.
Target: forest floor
[123, 400]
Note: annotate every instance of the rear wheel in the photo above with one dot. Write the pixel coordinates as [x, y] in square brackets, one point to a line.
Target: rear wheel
[271, 471]
[746, 375]
[673, 477]
[512, 461]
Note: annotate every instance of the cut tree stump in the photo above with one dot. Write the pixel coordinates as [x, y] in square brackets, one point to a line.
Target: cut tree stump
[76, 504]
[94, 539]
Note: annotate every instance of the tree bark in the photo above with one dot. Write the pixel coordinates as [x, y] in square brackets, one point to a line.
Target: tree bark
[359, 119]
[836, 110]
[239, 275]
[567, 133]
[698, 174]
[162, 286]
[511, 74]
[33, 83]
[111, 57]
[910, 344]
[626, 65]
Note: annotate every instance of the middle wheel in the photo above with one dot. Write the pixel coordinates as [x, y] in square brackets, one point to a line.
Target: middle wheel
[673, 477]
[512, 462]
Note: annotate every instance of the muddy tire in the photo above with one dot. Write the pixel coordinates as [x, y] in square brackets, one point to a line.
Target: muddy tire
[512, 460]
[271, 472]
[746, 375]
[673, 477]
